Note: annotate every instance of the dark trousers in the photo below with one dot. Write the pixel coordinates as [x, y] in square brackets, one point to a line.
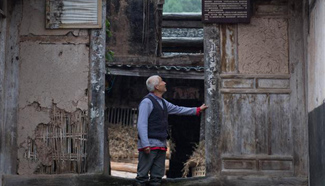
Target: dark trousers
[153, 163]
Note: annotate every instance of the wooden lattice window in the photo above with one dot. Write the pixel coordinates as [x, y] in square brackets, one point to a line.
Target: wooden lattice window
[73, 14]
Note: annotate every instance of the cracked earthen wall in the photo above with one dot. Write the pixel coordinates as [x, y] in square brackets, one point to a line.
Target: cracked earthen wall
[53, 82]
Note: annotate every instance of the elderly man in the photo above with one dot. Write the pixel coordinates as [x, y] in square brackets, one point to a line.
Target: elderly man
[153, 130]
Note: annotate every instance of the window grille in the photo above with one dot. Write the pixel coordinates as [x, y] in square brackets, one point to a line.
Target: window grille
[121, 116]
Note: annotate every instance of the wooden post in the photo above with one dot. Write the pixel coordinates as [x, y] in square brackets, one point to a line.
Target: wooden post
[212, 96]
[9, 73]
[97, 146]
[298, 104]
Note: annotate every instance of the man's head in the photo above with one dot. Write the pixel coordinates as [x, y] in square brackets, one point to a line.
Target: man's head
[156, 84]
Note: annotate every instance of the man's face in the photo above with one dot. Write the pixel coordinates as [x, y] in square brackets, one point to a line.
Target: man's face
[161, 87]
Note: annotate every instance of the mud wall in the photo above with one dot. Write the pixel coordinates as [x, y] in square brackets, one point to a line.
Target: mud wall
[133, 27]
[316, 91]
[53, 100]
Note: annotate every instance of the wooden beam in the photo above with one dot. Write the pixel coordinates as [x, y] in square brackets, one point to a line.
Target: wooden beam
[182, 16]
[163, 73]
[298, 96]
[182, 44]
[255, 91]
[97, 143]
[9, 87]
[260, 76]
[212, 97]
[178, 60]
[182, 20]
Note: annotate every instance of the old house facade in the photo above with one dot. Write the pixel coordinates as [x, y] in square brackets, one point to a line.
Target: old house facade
[263, 82]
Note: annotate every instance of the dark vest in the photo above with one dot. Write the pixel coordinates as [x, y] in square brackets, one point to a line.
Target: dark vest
[158, 120]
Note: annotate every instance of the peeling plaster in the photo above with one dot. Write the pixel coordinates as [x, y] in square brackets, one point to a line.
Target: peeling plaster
[29, 118]
[35, 151]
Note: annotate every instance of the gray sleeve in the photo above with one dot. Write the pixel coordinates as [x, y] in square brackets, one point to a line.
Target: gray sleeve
[174, 109]
[145, 109]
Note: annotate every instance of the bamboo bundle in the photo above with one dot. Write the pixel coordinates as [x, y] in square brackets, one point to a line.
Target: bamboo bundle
[197, 159]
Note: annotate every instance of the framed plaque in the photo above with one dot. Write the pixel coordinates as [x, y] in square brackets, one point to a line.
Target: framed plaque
[73, 14]
[226, 11]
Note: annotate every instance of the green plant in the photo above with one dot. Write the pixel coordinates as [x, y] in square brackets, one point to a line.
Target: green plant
[109, 53]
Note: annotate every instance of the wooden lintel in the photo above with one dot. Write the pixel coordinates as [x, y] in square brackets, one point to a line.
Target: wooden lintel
[163, 73]
[252, 76]
[255, 91]
[262, 157]
[181, 60]
[191, 44]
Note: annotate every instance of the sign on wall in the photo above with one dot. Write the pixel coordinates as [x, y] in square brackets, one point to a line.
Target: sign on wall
[226, 11]
[73, 14]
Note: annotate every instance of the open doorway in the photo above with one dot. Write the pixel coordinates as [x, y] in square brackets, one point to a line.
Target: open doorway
[121, 116]
[185, 134]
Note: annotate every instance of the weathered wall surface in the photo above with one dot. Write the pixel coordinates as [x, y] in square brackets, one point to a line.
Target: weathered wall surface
[263, 126]
[133, 27]
[316, 92]
[53, 83]
[263, 46]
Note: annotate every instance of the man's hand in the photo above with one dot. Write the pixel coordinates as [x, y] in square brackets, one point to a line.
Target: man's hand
[147, 150]
[203, 107]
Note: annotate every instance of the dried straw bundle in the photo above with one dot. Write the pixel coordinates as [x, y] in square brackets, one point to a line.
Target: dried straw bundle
[196, 159]
[122, 142]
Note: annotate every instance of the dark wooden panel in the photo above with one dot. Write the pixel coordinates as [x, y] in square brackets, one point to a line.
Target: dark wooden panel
[256, 124]
[239, 164]
[275, 165]
[243, 123]
[182, 44]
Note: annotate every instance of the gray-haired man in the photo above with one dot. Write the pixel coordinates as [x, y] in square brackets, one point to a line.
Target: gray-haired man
[152, 129]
